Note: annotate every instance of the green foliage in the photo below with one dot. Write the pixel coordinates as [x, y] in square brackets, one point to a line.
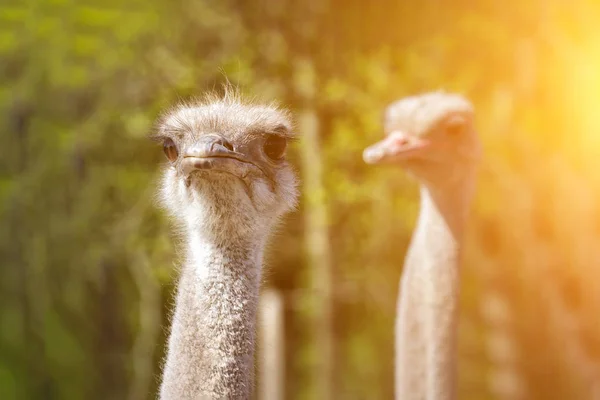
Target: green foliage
[84, 253]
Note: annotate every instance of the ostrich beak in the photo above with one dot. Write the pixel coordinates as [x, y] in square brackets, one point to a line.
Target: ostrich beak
[395, 147]
[213, 153]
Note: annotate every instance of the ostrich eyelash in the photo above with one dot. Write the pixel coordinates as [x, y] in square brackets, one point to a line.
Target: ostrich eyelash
[160, 137]
[292, 139]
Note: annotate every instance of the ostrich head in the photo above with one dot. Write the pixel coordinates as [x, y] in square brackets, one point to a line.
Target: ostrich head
[431, 135]
[226, 173]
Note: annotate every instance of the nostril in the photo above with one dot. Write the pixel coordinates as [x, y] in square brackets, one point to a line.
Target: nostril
[227, 144]
[401, 141]
[221, 143]
[398, 139]
[209, 145]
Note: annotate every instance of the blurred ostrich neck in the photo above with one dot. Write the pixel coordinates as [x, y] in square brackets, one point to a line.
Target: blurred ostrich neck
[428, 302]
[211, 347]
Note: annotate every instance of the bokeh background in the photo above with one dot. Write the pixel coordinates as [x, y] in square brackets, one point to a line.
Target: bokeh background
[87, 263]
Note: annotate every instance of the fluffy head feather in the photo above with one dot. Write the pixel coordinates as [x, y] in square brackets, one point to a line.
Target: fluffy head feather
[242, 191]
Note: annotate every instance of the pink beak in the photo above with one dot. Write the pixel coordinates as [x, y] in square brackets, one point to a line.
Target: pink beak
[396, 146]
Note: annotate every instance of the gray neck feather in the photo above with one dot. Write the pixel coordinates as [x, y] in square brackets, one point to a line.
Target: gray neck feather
[211, 347]
[429, 290]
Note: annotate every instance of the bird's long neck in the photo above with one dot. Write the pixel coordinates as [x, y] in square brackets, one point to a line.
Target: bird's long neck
[211, 346]
[428, 301]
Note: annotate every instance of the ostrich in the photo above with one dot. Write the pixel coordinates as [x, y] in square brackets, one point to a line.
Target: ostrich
[226, 184]
[433, 138]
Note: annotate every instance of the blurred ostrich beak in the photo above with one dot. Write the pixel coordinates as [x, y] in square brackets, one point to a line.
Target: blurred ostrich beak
[395, 147]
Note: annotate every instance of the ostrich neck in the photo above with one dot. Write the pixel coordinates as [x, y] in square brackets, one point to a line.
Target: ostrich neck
[211, 346]
[428, 302]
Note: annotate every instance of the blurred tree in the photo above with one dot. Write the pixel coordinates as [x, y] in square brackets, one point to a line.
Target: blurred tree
[86, 258]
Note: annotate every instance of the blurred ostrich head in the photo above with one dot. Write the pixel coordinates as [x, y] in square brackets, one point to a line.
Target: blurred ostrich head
[431, 135]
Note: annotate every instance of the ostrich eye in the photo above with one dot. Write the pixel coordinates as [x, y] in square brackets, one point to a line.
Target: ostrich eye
[274, 147]
[170, 149]
[455, 126]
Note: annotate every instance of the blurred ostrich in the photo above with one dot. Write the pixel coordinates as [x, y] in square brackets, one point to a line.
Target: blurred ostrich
[226, 184]
[433, 138]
